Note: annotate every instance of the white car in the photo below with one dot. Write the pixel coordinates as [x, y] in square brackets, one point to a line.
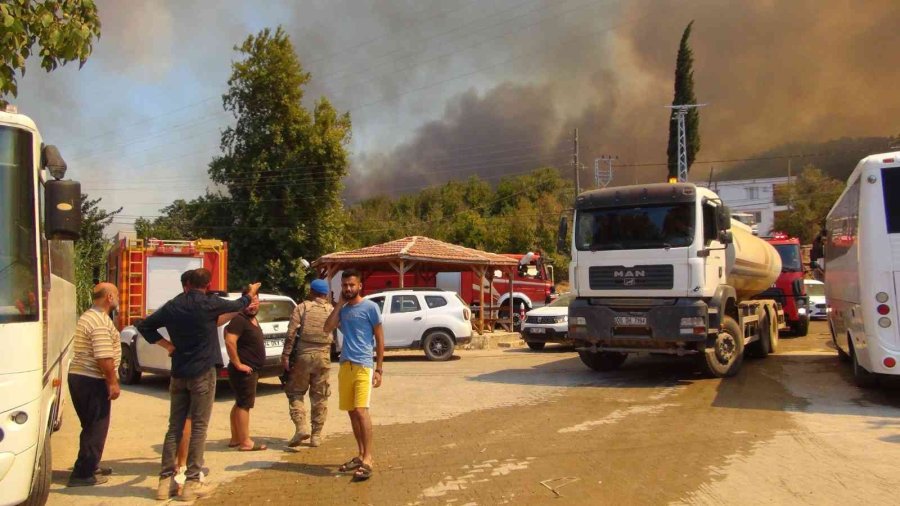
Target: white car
[817, 307]
[139, 356]
[432, 320]
[548, 324]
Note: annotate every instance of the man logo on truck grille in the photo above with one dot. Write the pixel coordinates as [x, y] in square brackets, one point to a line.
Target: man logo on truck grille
[629, 274]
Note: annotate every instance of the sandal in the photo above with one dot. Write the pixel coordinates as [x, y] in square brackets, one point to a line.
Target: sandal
[234, 445]
[256, 448]
[350, 465]
[363, 473]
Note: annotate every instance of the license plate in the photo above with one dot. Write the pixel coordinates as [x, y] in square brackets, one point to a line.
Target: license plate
[631, 321]
[537, 330]
[274, 343]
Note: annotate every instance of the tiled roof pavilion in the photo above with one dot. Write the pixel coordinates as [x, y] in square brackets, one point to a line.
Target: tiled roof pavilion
[417, 249]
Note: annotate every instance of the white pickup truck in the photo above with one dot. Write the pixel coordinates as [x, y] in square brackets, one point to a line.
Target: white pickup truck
[139, 356]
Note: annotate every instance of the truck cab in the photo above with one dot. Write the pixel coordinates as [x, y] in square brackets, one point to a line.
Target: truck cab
[663, 268]
[789, 289]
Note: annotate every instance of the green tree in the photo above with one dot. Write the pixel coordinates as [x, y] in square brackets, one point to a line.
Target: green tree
[203, 217]
[810, 197]
[684, 94]
[91, 248]
[282, 165]
[64, 29]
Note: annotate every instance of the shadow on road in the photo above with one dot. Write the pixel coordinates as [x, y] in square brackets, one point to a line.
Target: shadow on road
[138, 469]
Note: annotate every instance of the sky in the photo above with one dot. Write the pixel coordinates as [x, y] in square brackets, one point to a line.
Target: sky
[446, 89]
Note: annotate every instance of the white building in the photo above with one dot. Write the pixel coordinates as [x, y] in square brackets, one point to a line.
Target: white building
[754, 198]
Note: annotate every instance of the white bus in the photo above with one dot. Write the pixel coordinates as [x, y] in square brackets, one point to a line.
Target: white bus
[862, 269]
[40, 216]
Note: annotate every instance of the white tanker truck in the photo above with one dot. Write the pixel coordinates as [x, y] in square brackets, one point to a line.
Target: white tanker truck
[663, 269]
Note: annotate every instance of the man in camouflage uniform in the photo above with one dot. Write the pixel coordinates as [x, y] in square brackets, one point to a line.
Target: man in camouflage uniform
[307, 361]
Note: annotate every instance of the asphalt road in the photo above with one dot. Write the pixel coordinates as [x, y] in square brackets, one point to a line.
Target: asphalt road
[490, 426]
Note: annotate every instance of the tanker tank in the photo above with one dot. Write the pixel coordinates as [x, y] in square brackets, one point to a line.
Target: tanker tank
[752, 264]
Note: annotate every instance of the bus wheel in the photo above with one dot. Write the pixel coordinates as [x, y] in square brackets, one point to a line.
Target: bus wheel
[862, 377]
[842, 355]
[40, 483]
[724, 357]
[128, 371]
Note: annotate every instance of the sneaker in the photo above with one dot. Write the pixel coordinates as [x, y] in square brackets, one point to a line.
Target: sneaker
[87, 482]
[167, 488]
[194, 490]
[315, 441]
[298, 438]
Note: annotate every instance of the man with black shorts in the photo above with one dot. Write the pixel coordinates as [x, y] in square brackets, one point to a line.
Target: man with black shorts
[246, 347]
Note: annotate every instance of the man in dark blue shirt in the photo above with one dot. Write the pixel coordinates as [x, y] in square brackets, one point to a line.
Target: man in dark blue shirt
[191, 321]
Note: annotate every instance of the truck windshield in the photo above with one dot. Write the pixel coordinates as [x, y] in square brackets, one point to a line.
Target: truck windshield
[18, 259]
[790, 257]
[648, 227]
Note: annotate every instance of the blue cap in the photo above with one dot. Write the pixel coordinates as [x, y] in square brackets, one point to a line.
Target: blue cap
[319, 286]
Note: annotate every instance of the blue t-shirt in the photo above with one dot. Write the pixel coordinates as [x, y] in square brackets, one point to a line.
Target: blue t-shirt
[358, 327]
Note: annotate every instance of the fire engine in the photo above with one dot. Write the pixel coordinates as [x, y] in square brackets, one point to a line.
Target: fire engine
[789, 289]
[148, 272]
[533, 284]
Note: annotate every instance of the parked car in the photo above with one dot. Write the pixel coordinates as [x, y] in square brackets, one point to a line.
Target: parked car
[139, 356]
[548, 324]
[817, 307]
[433, 320]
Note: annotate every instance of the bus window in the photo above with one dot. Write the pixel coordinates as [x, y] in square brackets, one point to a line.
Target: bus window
[890, 183]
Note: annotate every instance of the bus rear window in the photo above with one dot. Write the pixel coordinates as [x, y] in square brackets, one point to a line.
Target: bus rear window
[890, 183]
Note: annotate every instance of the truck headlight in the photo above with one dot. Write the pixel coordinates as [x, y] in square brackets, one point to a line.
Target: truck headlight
[801, 310]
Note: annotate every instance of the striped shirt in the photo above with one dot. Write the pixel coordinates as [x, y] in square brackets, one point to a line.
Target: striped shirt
[96, 337]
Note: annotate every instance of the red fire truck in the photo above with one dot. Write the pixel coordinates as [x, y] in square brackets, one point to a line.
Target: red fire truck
[148, 273]
[789, 288]
[533, 284]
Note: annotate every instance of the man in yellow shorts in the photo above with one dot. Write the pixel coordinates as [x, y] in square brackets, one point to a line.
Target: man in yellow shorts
[360, 324]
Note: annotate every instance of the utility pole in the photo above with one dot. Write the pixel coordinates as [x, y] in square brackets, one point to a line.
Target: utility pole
[602, 177]
[575, 165]
[680, 111]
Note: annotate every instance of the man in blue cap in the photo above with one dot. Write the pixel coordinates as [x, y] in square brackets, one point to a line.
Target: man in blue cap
[307, 363]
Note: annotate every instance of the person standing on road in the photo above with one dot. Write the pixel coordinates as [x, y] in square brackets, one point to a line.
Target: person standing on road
[246, 347]
[307, 361]
[360, 323]
[94, 383]
[191, 321]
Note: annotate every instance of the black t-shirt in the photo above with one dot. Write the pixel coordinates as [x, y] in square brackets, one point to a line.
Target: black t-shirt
[251, 346]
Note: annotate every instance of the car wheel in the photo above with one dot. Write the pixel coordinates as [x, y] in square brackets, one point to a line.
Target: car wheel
[128, 371]
[535, 345]
[439, 345]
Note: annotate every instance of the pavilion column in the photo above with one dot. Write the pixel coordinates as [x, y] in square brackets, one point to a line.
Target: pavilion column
[480, 272]
[402, 268]
[330, 271]
[512, 326]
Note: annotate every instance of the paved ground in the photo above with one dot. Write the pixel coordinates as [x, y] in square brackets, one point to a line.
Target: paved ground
[489, 427]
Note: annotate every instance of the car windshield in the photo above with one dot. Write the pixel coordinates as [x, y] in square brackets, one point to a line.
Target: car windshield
[563, 301]
[18, 260]
[790, 257]
[647, 227]
[815, 290]
[274, 311]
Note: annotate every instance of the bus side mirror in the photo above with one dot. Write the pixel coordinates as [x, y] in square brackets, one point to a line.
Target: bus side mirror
[562, 235]
[62, 210]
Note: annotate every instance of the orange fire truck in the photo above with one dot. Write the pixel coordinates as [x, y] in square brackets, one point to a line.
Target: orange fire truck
[148, 272]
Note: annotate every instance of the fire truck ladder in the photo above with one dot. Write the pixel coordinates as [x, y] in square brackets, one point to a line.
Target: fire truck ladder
[135, 273]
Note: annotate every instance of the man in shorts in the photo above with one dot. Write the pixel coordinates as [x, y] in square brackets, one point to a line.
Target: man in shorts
[360, 323]
[245, 343]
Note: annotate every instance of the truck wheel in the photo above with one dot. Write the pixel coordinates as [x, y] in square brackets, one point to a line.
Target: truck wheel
[536, 346]
[763, 345]
[128, 371]
[802, 327]
[40, 482]
[862, 377]
[439, 346]
[603, 361]
[723, 359]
